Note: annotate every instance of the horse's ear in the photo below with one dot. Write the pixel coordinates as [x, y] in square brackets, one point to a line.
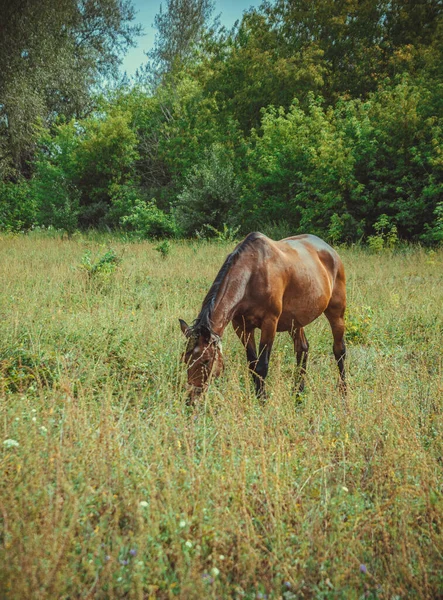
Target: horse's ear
[185, 327]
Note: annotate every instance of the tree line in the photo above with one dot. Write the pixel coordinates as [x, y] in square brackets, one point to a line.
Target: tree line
[322, 117]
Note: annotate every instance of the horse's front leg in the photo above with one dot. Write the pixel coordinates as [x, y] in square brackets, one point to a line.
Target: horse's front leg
[268, 331]
[247, 338]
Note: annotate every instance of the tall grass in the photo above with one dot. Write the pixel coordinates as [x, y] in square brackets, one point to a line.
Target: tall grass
[116, 491]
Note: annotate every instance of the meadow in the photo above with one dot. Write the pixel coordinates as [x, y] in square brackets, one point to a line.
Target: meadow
[110, 487]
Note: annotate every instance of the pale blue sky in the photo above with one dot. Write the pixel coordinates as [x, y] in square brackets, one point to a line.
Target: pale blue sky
[229, 11]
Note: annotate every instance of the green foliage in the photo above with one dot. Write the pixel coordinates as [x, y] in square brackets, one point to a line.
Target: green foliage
[52, 56]
[57, 198]
[386, 235]
[102, 267]
[434, 233]
[18, 206]
[269, 126]
[180, 27]
[163, 248]
[227, 234]
[358, 319]
[105, 160]
[148, 221]
[300, 166]
[210, 193]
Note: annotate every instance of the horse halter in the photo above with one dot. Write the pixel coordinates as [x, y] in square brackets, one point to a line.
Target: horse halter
[214, 341]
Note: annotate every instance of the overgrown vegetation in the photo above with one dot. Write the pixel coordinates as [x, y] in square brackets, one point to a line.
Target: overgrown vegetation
[111, 489]
[323, 120]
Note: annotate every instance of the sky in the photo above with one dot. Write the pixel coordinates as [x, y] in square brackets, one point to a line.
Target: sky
[229, 11]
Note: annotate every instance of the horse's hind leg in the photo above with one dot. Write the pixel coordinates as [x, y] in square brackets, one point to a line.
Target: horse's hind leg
[335, 316]
[301, 347]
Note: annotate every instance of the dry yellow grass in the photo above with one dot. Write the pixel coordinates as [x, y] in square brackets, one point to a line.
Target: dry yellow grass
[116, 491]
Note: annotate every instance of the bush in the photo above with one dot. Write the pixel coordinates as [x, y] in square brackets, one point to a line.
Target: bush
[148, 221]
[57, 197]
[101, 270]
[386, 236]
[18, 206]
[300, 168]
[434, 233]
[210, 194]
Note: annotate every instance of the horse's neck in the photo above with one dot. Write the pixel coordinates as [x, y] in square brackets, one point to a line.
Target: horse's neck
[229, 297]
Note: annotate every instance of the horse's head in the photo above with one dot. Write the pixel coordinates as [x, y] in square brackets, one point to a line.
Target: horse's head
[203, 356]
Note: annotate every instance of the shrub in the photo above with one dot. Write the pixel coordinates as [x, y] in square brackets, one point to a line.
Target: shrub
[386, 236]
[104, 266]
[164, 248]
[57, 197]
[18, 206]
[148, 221]
[227, 234]
[210, 194]
[434, 233]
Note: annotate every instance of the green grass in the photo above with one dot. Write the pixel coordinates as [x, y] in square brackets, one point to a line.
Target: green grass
[116, 491]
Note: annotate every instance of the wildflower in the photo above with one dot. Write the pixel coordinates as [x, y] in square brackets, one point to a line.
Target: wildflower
[133, 552]
[344, 488]
[34, 419]
[143, 503]
[215, 571]
[188, 544]
[43, 429]
[206, 577]
[363, 569]
[123, 562]
[182, 523]
[11, 443]
[287, 584]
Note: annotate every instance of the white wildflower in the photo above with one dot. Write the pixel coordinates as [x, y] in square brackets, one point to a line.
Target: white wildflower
[11, 443]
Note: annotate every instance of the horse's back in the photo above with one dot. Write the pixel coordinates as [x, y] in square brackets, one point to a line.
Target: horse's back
[314, 245]
[309, 272]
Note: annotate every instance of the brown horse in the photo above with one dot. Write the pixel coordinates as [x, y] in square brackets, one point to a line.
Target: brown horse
[275, 286]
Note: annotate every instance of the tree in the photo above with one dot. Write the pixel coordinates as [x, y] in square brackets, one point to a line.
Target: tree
[52, 55]
[180, 28]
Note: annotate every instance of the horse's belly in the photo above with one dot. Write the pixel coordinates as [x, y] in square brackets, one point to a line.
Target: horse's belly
[300, 314]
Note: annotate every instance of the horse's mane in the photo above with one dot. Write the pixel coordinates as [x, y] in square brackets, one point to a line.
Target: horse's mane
[204, 318]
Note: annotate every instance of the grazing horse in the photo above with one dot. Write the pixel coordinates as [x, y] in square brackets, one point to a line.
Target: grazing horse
[273, 286]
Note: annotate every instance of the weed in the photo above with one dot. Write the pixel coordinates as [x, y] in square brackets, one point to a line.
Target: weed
[227, 234]
[386, 235]
[358, 323]
[105, 265]
[164, 248]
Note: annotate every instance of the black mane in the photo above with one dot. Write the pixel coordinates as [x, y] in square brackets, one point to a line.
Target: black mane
[203, 321]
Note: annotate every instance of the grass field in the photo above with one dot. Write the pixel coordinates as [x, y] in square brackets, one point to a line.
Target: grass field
[110, 488]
